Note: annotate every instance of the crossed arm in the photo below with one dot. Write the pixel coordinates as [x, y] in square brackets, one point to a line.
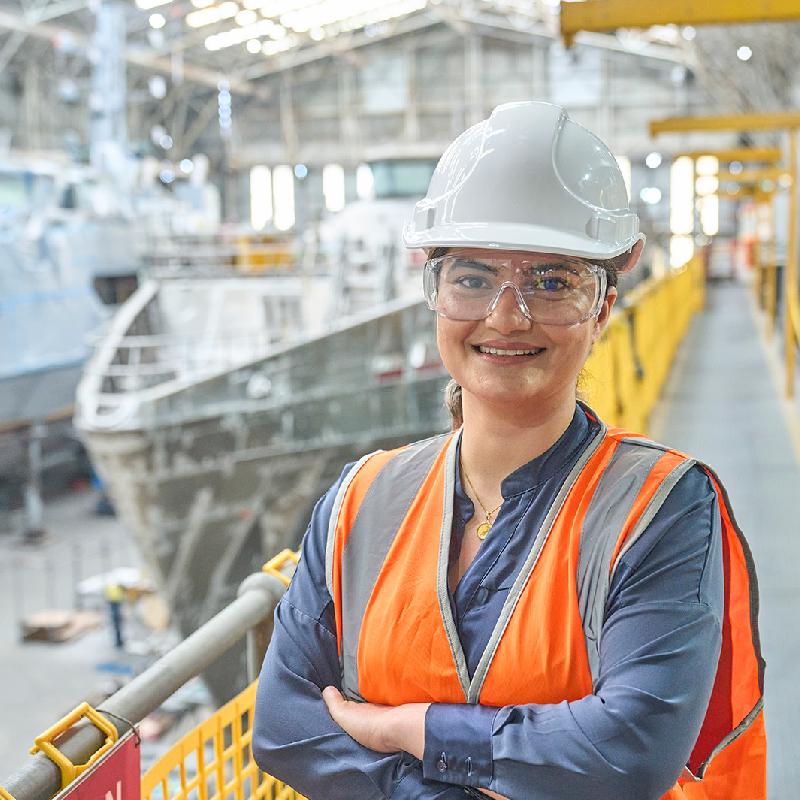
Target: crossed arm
[629, 738]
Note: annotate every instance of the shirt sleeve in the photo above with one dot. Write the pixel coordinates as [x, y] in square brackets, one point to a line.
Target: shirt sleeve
[294, 737]
[660, 644]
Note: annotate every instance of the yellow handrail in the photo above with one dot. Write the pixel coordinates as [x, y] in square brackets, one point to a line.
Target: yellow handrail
[214, 762]
[70, 771]
[275, 565]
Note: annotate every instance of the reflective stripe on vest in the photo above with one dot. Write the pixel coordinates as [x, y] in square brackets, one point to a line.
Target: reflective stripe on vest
[393, 614]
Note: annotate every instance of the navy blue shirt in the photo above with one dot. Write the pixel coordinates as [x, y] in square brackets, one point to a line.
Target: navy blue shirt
[629, 739]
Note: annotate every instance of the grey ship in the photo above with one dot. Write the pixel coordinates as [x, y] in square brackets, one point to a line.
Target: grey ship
[58, 257]
[217, 414]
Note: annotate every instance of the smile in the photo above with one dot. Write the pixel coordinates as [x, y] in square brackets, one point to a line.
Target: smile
[497, 351]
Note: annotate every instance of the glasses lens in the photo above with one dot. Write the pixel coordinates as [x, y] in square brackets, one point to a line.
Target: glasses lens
[558, 292]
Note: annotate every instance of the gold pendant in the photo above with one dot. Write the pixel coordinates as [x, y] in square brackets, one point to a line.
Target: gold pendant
[483, 529]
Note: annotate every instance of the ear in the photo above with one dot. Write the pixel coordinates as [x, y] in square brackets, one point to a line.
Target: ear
[633, 257]
[605, 313]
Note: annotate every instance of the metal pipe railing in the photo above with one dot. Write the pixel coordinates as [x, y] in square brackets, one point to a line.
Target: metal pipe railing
[250, 614]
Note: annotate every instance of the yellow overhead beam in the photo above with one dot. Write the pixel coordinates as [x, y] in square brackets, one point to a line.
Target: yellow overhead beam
[607, 15]
[775, 120]
[746, 154]
[752, 175]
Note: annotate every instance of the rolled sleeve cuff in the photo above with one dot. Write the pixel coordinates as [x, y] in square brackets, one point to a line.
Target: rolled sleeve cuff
[458, 744]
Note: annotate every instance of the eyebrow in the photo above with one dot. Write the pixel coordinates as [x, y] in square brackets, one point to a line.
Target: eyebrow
[468, 262]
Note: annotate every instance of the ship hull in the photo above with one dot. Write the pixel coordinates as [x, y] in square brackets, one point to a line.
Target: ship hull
[215, 478]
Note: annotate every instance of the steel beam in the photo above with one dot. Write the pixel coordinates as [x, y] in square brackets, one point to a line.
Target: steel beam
[770, 155]
[604, 16]
[138, 56]
[771, 121]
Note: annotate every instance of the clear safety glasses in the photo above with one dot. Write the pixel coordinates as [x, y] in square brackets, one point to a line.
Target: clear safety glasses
[556, 290]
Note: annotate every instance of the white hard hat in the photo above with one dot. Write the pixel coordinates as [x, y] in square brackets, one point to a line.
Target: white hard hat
[527, 178]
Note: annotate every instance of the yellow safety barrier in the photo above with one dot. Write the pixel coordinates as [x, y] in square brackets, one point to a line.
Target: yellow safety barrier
[70, 771]
[625, 373]
[4, 795]
[214, 762]
[274, 565]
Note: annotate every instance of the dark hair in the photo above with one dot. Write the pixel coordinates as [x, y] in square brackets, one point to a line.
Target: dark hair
[452, 392]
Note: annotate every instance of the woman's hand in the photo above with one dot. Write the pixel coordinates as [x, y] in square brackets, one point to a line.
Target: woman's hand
[386, 729]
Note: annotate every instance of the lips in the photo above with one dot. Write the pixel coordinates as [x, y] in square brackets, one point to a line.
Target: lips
[501, 351]
[507, 349]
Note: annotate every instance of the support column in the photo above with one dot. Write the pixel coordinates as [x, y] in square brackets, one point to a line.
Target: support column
[790, 273]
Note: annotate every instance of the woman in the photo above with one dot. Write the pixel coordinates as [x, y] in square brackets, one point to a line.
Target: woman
[532, 606]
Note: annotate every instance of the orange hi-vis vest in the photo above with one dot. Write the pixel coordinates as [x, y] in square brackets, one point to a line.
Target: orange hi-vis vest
[386, 567]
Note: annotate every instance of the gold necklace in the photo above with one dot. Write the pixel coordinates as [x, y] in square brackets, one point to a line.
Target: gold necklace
[486, 525]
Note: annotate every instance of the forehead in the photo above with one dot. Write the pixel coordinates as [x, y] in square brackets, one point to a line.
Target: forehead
[512, 256]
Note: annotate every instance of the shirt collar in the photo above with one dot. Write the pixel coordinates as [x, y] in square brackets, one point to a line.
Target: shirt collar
[538, 470]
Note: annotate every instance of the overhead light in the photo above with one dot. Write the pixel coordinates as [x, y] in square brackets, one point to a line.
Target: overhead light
[300, 171]
[202, 3]
[317, 34]
[157, 86]
[146, 5]
[706, 184]
[744, 53]
[650, 195]
[681, 197]
[253, 46]
[157, 21]
[260, 197]
[653, 160]
[246, 17]
[688, 33]
[212, 14]
[709, 214]
[735, 167]
[187, 166]
[283, 197]
[333, 187]
[707, 165]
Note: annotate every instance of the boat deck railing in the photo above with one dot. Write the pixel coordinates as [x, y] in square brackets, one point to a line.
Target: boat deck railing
[245, 252]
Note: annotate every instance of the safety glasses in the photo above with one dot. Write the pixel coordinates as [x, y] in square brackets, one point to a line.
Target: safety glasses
[556, 290]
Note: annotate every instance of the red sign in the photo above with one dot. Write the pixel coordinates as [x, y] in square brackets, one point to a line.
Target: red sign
[116, 776]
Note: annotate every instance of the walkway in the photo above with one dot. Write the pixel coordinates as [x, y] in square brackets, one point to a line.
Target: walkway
[722, 404]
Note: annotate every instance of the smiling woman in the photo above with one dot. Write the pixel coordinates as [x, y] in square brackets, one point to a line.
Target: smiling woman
[532, 605]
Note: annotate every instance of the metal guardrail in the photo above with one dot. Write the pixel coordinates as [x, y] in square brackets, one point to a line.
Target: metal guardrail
[250, 614]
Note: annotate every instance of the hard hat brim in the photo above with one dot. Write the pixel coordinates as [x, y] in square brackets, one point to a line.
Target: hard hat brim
[531, 238]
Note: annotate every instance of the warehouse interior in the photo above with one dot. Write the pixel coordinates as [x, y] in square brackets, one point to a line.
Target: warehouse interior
[206, 309]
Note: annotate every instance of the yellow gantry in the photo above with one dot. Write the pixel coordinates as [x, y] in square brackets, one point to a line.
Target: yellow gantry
[770, 121]
[603, 16]
[773, 121]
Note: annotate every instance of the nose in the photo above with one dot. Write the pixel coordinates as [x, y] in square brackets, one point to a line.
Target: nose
[508, 313]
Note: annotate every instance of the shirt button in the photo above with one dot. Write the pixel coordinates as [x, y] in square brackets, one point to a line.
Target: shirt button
[441, 764]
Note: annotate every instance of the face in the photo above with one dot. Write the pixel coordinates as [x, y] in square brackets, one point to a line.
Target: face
[483, 355]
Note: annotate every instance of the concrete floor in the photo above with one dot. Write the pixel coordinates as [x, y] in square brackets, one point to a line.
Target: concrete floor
[40, 682]
[723, 405]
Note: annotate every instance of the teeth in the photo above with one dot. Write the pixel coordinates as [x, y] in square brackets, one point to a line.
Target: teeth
[498, 352]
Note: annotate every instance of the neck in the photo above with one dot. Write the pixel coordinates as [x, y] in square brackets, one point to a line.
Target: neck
[496, 442]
